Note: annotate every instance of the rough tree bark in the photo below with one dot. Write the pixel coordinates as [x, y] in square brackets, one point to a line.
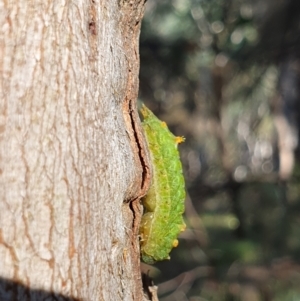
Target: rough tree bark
[73, 163]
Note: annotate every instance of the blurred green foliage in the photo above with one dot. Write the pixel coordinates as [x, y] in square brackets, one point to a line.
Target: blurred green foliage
[213, 70]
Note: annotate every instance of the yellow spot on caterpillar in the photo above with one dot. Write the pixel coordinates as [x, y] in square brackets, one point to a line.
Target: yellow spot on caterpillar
[164, 124]
[175, 243]
[179, 139]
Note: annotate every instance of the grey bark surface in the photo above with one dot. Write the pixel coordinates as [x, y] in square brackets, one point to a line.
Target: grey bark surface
[71, 167]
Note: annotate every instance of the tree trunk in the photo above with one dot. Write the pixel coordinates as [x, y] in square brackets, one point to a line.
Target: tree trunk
[73, 163]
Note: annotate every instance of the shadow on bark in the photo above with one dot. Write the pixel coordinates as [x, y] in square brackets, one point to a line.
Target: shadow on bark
[13, 291]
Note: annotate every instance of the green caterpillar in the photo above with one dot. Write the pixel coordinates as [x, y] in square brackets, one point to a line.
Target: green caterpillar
[164, 203]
